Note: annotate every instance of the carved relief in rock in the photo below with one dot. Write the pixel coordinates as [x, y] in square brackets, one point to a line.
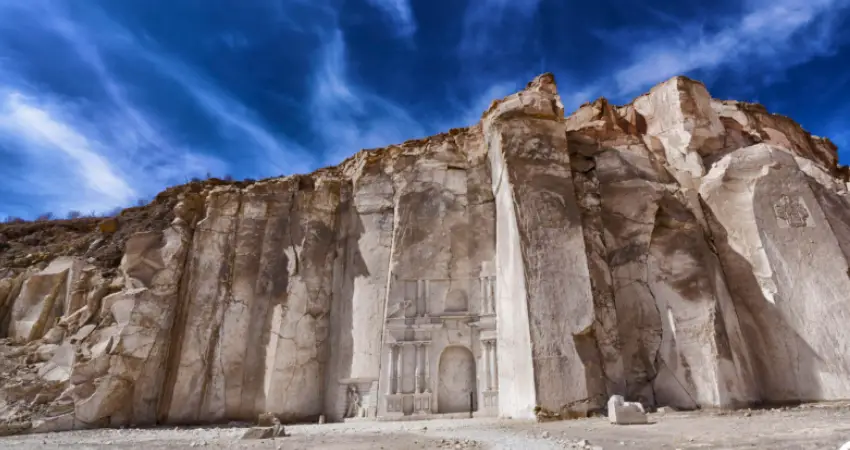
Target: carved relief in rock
[792, 212]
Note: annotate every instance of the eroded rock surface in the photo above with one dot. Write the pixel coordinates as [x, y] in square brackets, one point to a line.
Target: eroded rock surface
[678, 251]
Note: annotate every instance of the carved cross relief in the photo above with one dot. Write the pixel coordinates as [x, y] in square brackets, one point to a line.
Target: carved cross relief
[792, 212]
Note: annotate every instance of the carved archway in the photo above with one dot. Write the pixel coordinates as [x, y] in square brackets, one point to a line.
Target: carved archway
[456, 380]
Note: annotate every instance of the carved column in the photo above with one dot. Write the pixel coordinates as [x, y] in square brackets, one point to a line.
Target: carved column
[425, 299]
[391, 370]
[399, 369]
[418, 372]
[491, 293]
[494, 376]
[485, 363]
[422, 296]
[485, 304]
[415, 302]
[419, 298]
[427, 368]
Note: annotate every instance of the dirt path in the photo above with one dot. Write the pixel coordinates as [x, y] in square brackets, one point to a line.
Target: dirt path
[812, 427]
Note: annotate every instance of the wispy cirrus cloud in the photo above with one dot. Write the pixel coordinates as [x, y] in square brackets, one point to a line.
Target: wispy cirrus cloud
[274, 154]
[348, 117]
[59, 156]
[768, 37]
[495, 36]
[65, 153]
[484, 18]
[72, 160]
[400, 13]
[115, 149]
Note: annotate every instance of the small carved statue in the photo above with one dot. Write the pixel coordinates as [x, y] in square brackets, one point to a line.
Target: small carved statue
[354, 403]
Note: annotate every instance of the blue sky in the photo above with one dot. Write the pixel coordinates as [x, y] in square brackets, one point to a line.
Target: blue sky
[105, 102]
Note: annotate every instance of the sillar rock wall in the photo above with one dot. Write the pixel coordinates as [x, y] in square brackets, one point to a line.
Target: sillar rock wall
[679, 250]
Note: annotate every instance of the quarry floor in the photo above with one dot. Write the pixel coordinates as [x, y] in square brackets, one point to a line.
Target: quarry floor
[806, 427]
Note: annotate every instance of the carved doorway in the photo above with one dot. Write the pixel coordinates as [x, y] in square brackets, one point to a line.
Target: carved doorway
[456, 380]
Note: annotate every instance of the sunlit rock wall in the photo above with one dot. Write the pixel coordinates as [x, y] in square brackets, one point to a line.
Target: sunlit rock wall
[679, 250]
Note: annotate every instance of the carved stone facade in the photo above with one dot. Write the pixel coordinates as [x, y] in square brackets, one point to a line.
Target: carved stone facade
[439, 350]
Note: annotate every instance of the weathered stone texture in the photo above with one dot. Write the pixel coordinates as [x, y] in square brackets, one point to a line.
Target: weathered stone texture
[676, 251]
[534, 166]
[779, 234]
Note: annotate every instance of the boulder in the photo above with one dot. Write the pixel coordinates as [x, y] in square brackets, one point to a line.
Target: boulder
[621, 412]
[265, 432]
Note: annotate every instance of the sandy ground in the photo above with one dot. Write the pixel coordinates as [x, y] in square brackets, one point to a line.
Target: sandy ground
[810, 427]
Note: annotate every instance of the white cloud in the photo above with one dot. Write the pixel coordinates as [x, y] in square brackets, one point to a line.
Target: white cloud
[277, 155]
[471, 113]
[400, 12]
[66, 154]
[271, 154]
[66, 158]
[483, 17]
[771, 35]
[572, 99]
[348, 117]
[60, 159]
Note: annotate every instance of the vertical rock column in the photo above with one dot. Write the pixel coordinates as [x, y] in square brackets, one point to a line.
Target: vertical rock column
[686, 340]
[297, 349]
[781, 252]
[190, 387]
[254, 317]
[544, 296]
[361, 268]
[370, 244]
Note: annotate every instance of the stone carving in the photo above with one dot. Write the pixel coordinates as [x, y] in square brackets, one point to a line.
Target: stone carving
[488, 295]
[792, 211]
[355, 403]
[627, 249]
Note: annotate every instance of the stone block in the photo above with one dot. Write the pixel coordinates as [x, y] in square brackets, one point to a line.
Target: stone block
[621, 412]
[265, 432]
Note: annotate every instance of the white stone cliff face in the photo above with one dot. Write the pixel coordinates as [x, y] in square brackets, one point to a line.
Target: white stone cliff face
[678, 251]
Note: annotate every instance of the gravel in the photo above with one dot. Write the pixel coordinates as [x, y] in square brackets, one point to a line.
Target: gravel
[810, 427]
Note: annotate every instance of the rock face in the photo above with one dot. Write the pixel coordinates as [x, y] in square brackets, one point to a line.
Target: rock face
[677, 251]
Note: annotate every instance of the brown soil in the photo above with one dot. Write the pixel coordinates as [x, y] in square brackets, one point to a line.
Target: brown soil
[28, 244]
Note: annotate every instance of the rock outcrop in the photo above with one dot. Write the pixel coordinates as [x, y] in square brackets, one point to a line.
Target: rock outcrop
[677, 251]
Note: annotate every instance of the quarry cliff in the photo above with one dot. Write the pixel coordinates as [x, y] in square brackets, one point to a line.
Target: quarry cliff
[679, 251]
